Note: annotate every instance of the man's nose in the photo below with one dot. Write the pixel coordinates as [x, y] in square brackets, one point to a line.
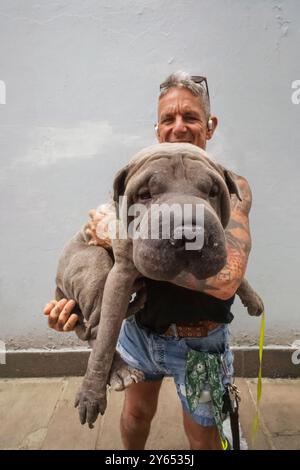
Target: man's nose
[179, 127]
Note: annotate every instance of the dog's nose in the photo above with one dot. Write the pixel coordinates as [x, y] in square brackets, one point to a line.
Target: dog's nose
[186, 234]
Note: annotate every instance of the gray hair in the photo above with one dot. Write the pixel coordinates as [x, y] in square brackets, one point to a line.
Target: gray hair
[183, 80]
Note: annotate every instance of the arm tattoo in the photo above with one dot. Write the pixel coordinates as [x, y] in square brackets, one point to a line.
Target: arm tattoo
[238, 239]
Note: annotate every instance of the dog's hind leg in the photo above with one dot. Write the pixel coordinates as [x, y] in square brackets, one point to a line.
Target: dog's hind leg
[122, 375]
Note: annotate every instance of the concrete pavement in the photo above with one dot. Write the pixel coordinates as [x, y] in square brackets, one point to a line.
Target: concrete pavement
[38, 413]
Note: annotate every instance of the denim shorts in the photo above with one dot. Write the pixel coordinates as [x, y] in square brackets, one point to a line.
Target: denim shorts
[159, 356]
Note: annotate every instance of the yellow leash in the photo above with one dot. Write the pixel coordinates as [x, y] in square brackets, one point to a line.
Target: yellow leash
[255, 423]
[224, 444]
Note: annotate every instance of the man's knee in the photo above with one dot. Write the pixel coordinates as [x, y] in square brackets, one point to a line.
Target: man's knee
[138, 414]
[140, 402]
[143, 410]
[201, 437]
[207, 439]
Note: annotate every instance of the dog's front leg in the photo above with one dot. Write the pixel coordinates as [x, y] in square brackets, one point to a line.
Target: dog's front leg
[91, 398]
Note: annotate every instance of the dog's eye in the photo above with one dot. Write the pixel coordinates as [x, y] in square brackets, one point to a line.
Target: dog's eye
[214, 190]
[144, 195]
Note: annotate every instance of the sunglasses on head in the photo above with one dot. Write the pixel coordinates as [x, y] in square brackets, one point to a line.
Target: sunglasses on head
[200, 81]
[197, 79]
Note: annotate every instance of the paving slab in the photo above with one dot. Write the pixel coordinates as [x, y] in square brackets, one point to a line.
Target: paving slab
[287, 442]
[64, 429]
[26, 407]
[109, 436]
[247, 414]
[166, 430]
[280, 411]
[39, 414]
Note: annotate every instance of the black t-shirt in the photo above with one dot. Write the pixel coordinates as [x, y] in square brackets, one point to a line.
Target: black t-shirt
[168, 303]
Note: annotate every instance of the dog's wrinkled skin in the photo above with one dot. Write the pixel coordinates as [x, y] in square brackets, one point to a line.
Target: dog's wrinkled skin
[163, 173]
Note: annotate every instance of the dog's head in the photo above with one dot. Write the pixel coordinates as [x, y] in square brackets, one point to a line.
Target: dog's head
[178, 205]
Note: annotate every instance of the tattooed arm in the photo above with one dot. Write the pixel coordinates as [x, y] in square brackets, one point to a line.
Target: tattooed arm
[224, 284]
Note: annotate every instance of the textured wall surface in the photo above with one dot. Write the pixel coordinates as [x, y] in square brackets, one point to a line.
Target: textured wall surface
[78, 90]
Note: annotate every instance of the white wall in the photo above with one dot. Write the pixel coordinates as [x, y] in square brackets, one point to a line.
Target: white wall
[81, 83]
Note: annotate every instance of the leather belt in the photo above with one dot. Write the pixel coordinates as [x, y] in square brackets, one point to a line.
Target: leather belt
[192, 330]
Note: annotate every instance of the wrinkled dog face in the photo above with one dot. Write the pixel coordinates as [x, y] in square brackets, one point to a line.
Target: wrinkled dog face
[179, 205]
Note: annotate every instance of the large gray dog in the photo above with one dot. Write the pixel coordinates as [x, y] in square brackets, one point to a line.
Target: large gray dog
[102, 281]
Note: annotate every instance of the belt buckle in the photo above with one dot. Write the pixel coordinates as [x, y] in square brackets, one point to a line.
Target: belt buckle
[203, 330]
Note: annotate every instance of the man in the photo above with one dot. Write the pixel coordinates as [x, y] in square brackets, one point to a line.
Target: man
[183, 116]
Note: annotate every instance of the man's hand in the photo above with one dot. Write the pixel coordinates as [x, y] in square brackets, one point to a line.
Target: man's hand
[60, 316]
[97, 229]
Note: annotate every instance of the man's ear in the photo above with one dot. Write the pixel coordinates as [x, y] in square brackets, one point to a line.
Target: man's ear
[211, 127]
[156, 130]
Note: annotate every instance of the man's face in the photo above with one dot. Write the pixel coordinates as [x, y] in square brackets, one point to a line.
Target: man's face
[181, 118]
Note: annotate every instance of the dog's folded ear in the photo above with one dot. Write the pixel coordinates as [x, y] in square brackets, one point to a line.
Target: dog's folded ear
[230, 180]
[119, 186]
[119, 183]
[233, 188]
[231, 183]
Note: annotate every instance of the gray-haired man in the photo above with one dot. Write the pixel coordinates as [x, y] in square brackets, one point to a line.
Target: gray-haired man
[183, 116]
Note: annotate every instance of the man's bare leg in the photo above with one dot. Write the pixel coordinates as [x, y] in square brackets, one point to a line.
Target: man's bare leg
[139, 407]
[200, 437]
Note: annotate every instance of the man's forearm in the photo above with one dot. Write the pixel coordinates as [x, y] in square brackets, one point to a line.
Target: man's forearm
[224, 284]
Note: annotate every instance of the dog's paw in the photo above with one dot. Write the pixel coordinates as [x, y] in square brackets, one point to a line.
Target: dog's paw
[90, 400]
[255, 305]
[122, 375]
